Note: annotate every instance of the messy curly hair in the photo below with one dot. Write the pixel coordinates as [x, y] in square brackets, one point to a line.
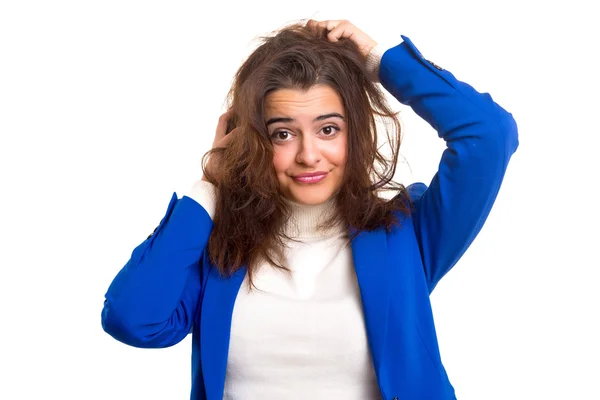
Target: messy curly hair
[250, 212]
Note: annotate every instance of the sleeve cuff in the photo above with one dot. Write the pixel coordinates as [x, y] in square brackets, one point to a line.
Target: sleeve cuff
[374, 57]
[373, 61]
[204, 193]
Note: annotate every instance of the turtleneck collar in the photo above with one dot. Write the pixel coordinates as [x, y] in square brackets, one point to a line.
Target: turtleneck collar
[304, 220]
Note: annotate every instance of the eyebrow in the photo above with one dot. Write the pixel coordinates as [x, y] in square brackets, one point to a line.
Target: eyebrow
[319, 118]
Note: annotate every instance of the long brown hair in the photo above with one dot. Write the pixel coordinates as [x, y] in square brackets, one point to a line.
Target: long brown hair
[250, 213]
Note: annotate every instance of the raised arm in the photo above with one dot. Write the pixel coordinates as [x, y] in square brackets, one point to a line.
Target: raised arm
[480, 136]
[152, 302]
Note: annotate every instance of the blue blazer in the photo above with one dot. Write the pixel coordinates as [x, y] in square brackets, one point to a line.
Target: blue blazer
[169, 288]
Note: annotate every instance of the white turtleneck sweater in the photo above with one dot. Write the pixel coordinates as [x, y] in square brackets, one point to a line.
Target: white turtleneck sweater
[301, 335]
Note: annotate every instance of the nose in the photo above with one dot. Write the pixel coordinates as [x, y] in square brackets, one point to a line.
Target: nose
[309, 152]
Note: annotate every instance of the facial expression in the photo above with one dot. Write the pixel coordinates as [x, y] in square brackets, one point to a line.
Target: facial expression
[309, 135]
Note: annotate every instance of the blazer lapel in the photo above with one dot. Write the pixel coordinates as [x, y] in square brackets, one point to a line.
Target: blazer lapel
[370, 254]
[215, 328]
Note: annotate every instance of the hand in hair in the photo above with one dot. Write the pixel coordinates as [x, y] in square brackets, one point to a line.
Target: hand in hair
[344, 29]
[221, 140]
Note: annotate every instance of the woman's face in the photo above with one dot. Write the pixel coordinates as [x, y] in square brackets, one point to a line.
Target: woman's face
[309, 135]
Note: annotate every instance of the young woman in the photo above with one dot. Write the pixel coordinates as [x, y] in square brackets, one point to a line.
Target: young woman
[295, 278]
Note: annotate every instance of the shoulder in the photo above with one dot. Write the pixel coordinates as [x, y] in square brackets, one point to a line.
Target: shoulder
[412, 194]
[410, 198]
[416, 190]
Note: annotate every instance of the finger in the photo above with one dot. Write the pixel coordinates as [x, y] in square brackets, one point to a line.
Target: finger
[222, 124]
[336, 29]
[234, 131]
[327, 25]
[332, 24]
[223, 118]
[225, 140]
[226, 114]
[340, 31]
[311, 24]
[318, 28]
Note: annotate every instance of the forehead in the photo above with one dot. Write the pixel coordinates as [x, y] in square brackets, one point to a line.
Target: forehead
[317, 99]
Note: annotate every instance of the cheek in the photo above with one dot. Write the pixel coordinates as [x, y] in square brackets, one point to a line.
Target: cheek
[338, 153]
[280, 160]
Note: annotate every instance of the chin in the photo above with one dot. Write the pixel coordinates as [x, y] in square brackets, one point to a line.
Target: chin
[310, 202]
[310, 199]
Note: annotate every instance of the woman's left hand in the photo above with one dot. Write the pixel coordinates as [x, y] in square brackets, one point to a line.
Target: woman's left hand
[344, 29]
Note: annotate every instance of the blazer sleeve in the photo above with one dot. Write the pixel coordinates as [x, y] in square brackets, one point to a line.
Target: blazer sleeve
[480, 138]
[152, 302]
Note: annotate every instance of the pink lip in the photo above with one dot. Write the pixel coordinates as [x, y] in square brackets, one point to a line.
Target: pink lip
[310, 178]
[311, 174]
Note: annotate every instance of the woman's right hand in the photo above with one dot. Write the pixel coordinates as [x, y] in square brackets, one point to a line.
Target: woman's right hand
[221, 140]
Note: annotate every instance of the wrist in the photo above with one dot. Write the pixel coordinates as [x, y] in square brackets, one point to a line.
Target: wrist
[205, 194]
[372, 62]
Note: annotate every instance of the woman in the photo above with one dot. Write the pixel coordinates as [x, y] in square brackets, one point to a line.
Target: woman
[336, 280]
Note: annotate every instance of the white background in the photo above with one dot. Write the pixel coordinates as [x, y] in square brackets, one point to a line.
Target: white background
[106, 108]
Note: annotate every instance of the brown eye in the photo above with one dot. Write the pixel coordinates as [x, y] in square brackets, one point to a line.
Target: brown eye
[330, 130]
[275, 135]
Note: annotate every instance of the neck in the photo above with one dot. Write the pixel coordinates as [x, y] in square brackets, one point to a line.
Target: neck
[305, 219]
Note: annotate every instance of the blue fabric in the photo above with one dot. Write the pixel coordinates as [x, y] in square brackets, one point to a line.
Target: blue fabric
[169, 288]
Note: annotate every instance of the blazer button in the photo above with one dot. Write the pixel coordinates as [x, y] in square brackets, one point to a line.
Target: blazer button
[435, 65]
[153, 232]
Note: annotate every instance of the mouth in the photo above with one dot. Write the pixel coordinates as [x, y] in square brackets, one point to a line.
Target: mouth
[310, 178]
